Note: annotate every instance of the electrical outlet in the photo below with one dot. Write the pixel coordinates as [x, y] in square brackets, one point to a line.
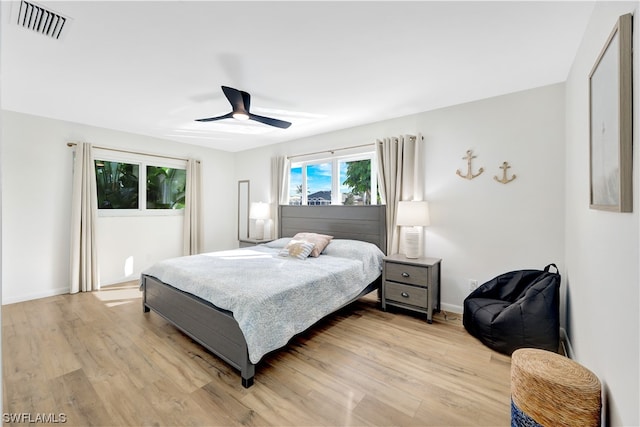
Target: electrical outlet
[473, 284]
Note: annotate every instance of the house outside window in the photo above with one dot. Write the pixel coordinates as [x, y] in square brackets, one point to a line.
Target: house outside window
[340, 180]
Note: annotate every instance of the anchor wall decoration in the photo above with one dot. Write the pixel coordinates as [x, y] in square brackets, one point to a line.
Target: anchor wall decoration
[504, 179]
[470, 174]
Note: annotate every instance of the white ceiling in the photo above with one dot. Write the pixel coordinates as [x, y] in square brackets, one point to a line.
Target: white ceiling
[151, 68]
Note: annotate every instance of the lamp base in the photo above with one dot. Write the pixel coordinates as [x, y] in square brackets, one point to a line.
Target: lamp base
[412, 243]
[259, 229]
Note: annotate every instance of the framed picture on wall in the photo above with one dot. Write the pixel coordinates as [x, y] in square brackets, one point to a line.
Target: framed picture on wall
[610, 121]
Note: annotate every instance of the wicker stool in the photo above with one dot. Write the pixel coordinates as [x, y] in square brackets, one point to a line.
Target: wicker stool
[552, 390]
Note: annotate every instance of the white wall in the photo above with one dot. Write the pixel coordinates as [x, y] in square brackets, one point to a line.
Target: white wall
[602, 248]
[147, 239]
[480, 228]
[36, 198]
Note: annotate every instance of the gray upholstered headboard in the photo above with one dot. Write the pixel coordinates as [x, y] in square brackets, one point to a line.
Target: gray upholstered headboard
[365, 223]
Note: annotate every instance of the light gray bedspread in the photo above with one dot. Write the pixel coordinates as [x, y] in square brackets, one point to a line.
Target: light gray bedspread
[271, 297]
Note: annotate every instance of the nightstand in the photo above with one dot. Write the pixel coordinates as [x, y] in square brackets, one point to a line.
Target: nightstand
[245, 243]
[413, 284]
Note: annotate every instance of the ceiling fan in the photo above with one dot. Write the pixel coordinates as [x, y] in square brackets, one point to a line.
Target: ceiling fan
[240, 102]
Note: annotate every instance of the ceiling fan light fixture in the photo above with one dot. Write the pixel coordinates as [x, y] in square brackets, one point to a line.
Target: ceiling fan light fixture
[241, 116]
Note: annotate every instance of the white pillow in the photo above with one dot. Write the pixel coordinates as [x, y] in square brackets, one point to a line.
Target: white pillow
[353, 249]
[278, 243]
[297, 249]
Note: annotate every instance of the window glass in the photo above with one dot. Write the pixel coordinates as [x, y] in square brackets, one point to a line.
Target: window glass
[165, 187]
[355, 182]
[319, 184]
[295, 186]
[117, 185]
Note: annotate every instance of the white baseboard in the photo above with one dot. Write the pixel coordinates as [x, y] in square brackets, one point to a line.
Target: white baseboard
[451, 308]
[36, 295]
[564, 339]
[120, 280]
[59, 291]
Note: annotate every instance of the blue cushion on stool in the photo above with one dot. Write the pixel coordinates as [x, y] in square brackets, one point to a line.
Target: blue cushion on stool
[520, 419]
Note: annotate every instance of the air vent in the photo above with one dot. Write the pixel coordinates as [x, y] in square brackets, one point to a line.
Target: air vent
[41, 20]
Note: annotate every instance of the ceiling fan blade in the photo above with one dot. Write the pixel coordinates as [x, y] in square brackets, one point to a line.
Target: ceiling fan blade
[270, 121]
[246, 100]
[236, 99]
[213, 119]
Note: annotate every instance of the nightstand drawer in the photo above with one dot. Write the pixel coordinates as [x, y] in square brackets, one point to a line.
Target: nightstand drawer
[403, 273]
[405, 294]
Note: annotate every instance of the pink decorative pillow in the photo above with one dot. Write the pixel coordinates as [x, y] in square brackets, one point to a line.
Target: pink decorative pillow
[319, 240]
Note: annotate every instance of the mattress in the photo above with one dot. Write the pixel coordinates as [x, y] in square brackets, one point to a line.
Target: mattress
[273, 297]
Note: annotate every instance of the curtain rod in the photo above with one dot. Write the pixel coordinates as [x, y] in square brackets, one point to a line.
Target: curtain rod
[120, 150]
[332, 151]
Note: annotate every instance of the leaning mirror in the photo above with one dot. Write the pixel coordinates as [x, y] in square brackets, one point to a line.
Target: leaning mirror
[243, 209]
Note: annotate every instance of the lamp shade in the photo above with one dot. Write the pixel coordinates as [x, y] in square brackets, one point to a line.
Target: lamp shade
[413, 213]
[259, 210]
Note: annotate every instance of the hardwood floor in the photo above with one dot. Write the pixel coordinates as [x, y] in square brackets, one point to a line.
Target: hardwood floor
[96, 359]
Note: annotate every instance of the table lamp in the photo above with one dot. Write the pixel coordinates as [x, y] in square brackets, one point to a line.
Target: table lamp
[414, 215]
[259, 211]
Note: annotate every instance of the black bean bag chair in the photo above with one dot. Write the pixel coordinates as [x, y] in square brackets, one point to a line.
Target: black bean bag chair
[515, 310]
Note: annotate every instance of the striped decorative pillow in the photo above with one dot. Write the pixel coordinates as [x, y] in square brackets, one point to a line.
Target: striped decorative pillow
[297, 249]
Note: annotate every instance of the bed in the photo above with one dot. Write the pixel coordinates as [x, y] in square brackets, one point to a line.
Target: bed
[224, 332]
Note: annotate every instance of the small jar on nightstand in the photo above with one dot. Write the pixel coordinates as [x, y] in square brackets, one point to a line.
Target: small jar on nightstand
[411, 283]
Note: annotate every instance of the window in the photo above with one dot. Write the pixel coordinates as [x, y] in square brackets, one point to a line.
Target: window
[136, 184]
[117, 185]
[346, 180]
[165, 187]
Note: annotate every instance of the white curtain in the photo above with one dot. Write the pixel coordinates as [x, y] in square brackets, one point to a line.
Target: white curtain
[85, 276]
[401, 175]
[192, 210]
[280, 185]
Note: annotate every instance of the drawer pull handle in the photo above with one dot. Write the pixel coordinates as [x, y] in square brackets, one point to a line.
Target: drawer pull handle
[405, 295]
[405, 274]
